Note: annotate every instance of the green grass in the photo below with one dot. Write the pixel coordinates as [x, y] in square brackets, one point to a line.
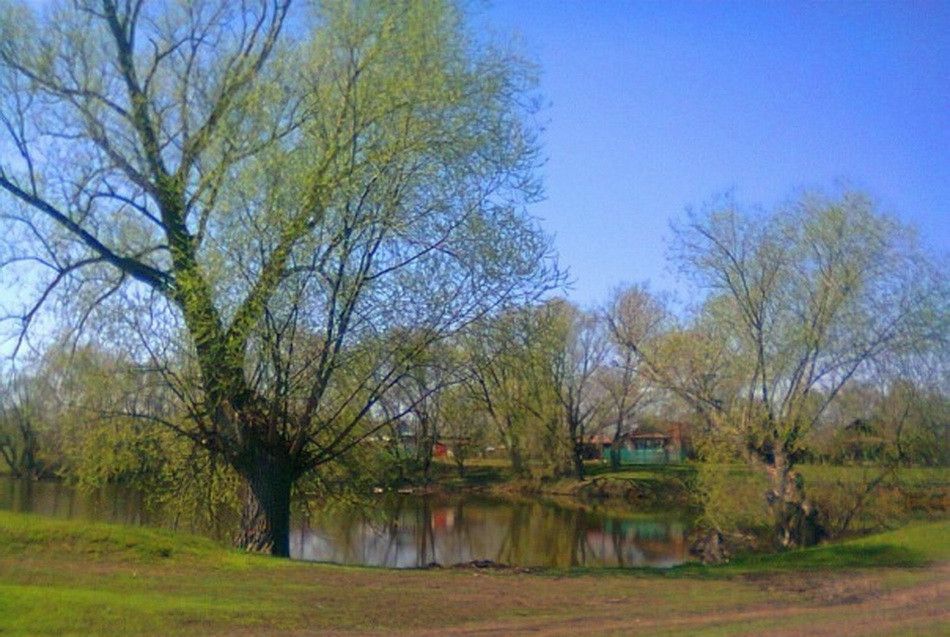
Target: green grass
[642, 471]
[480, 473]
[918, 477]
[66, 577]
[27, 534]
[915, 545]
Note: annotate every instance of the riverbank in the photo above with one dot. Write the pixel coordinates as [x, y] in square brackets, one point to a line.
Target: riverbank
[647, 486]
[923, 490]
[66, 577]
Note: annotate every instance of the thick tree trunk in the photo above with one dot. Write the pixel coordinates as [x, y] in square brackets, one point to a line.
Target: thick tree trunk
[615, 451]
[265, 517]
[576, 432]
[796, 520]
[780, 498]
[31, 467]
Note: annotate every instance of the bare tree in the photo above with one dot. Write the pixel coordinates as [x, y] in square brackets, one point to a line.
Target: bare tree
[576, 365]
[19, 429]
[633, 317]
[421, 396]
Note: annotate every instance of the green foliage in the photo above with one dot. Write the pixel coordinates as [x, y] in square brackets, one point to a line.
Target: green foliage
[799, 304]
[900, 423]
[92, 438]
[275, 221]
[512, 362]
[22, 438]
[732, 498]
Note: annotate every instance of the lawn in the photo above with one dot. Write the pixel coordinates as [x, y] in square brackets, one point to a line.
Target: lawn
[64, 577]
[483, 472]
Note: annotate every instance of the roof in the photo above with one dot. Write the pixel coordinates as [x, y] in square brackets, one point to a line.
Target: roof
[649, 435]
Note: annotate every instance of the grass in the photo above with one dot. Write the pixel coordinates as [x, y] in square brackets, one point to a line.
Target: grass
[650, 486]
[67, 577]
[917, 477]
[478, 473]
[915, 545]
[489, 472]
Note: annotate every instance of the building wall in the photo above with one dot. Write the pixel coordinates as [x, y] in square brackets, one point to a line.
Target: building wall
[646, 456]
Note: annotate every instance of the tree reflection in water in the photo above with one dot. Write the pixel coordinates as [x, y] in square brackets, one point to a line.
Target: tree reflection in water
[411, 531]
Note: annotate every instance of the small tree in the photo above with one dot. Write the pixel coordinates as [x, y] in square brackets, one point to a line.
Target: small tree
[509, 374]
[633, 316]
[19, 429]
[466, 425]
[421, 397]
[576, 365]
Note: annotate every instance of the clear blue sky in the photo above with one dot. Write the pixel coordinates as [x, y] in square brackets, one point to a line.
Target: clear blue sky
[655, 106]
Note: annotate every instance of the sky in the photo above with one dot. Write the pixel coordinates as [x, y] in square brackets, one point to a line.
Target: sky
[655, 106]
[652, 107]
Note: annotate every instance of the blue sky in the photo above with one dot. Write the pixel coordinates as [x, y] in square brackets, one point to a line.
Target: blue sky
[655, 106]
[658, 105]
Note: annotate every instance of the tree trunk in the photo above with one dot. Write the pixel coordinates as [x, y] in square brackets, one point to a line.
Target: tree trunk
[779, 497]
[425, 451]
[517, 461]
[796, 520]
[615, 451]
[615, 446]
[30, 465]
[579, 460]
[265, 517]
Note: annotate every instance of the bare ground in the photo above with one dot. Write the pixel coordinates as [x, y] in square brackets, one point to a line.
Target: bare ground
[835, 605]
[865, 603]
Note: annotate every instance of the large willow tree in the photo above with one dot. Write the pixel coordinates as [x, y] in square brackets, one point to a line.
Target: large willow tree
[280, 208]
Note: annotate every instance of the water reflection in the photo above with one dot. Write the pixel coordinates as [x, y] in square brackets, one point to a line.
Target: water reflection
[54, 499]
[412, 531]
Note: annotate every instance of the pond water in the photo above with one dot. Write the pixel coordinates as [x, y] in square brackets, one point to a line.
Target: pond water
[406, 531]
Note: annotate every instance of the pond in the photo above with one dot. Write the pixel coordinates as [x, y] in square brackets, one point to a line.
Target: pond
[407, 531]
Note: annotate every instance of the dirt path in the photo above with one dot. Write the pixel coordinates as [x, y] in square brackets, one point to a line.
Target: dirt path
[856, 605]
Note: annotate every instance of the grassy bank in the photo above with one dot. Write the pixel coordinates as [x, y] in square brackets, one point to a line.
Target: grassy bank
[922, 490]
[649, 486]
[59, 577]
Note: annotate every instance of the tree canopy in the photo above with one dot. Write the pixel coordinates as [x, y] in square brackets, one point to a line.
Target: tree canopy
[263, 201]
